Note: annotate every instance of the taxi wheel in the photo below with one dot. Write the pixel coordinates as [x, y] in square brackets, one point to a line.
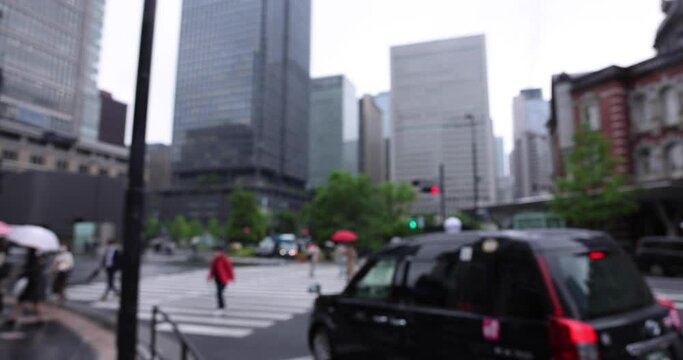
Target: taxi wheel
[322, 349]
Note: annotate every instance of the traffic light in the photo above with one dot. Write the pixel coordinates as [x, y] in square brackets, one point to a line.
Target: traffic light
[427, 186]
[412, 224]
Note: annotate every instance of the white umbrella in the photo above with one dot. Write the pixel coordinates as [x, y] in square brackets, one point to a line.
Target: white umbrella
[35, 237]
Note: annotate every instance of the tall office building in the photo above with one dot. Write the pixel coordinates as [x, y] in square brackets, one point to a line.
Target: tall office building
[49, 100]
[371, 150]
[383, 101]
[242, 100]
[112, 120]
[504, 182]
[49, 62]
[333, 130]
[531, 158]
[435, 88]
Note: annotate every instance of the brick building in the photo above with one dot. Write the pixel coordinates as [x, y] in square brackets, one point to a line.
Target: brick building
[640, 110]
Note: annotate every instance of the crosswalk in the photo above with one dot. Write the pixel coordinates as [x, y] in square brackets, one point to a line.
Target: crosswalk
[669, 288]
[259, 298]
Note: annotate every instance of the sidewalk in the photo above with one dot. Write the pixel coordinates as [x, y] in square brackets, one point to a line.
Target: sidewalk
[64, 336]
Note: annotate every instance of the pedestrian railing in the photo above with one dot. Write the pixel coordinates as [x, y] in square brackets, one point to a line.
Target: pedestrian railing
[186, 347]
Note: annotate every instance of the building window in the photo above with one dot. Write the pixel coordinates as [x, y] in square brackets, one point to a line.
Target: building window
[638, 110]
[591, 115]
[62, 165]
[10, 155]
[37, 160]
[674, 157]
[671, 106]
[83, 169]
[643, 161]
[104, 172]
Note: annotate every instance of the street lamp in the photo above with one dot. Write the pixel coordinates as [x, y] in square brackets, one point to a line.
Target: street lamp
[127, 325]
[475, 176]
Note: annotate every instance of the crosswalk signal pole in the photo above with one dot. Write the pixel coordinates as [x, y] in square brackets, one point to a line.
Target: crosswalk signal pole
[127, 324]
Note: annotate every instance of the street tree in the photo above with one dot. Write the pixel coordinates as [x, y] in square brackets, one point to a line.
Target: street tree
[591, 193]
[215, 228]
[246, 222]
[285, 222]
[374, 212]
[153, 227]
[195, 228]
[179, 228]
[395, 201]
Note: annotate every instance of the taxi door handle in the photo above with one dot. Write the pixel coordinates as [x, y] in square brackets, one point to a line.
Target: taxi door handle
[380, 319]
[398, 322]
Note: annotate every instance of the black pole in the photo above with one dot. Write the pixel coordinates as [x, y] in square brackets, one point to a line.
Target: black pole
[475, 176]
[127, 329]
[442, 191]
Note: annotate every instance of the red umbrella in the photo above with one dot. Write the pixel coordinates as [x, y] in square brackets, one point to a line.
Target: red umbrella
[344, 236]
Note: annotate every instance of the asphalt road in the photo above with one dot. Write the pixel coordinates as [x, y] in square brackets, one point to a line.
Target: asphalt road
[268, 308]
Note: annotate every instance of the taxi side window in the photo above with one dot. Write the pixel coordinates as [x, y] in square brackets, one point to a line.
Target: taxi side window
[376, 283]
[449, 283]
[520, 292]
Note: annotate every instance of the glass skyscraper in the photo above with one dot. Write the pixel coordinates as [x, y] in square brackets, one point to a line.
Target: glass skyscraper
[49, 56]
[242, 95]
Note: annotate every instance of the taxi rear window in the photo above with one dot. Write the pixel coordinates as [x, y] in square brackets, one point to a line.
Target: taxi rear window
[600, 283]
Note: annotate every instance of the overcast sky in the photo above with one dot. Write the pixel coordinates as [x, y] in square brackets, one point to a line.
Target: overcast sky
[527, 42]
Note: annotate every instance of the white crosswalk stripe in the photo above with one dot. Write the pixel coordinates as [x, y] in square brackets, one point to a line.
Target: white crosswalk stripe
[258, 299]
[669, 289]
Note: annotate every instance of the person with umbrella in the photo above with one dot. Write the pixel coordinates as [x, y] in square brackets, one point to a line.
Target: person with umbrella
[34, 292]
[39, 241]
[347, 237]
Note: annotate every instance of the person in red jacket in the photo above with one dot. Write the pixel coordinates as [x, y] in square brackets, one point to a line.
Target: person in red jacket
[222, 273]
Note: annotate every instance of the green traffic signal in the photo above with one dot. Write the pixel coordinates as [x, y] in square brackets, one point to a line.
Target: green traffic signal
[412, 224]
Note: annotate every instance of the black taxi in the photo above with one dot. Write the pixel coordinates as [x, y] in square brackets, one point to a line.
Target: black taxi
[542, 294]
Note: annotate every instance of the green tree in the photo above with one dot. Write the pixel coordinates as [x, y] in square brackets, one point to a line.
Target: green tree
[180, 228]
[374, 212]
[195, 228]
[286, 222]
[591, 195]
[246, 222]
[214, 227]
[152, 227]
[395, 201]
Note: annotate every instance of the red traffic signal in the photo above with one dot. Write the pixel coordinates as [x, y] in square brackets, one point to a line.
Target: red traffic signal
[434, 190]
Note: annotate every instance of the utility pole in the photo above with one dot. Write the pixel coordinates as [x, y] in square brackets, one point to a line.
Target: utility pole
[127, 325]
[442, 191]
[475, 176]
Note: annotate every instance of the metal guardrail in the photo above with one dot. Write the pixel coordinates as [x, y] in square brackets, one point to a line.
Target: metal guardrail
[186, 347]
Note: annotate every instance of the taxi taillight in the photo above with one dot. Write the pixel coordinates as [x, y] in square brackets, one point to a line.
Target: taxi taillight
[674, 319]
[572, 340]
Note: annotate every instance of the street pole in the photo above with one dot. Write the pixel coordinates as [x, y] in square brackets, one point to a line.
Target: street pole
[127, 329]
[442, 192]
[475, 176]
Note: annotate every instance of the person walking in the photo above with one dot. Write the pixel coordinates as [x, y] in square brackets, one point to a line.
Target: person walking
[34, 293]
[61, 267]
[340, 258]
[351, 257]
[111, 262]
[221, 272]
[313, 252]
[5, 271]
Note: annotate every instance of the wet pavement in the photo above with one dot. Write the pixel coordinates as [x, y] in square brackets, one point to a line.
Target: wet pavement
[48, 341]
